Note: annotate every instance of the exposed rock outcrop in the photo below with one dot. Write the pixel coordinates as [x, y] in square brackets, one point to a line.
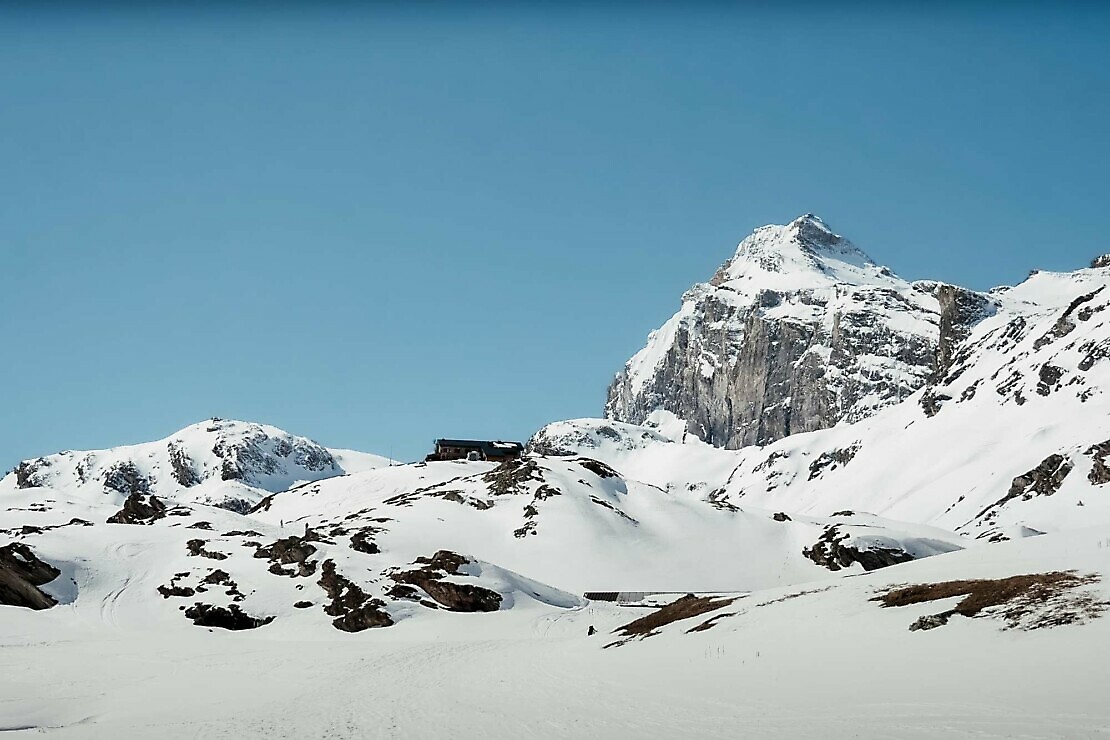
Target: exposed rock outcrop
[125, 478]
[832, 551]
[459, 597]
[182, 466]
[31, 473]
[832, 460]
[511, 476]
[294, 551]
[1043, 480]
[960, 309]
[21, 573]
[1100, 472]
[196, 548]
[139, 508]
[352, 608]
[229, 617]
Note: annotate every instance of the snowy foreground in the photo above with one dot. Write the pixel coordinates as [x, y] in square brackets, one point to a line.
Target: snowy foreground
[829, 662]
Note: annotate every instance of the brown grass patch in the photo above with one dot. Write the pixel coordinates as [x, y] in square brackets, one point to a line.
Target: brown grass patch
[687, 607]
[1030, 601]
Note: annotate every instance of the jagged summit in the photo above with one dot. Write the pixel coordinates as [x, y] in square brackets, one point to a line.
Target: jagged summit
[816, 237]
[804, 253]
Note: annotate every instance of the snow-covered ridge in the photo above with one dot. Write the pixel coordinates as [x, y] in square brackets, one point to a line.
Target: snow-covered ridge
[1012, 440]
[660, 453]
[219, 461]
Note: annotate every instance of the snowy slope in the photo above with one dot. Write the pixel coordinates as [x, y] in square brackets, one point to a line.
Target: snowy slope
[819, 659]
[573, 524]
[660, 453]
[1008, 439]
[383, 546]
[144, 575]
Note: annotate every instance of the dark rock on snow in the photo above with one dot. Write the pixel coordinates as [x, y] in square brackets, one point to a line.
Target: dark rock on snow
[21, 573]
[354, 610]
[139, 508]
[830, 552]
[225, 617]
[460, 597]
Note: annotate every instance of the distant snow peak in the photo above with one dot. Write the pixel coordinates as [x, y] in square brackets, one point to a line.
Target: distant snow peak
[805, 245]
[222, 462]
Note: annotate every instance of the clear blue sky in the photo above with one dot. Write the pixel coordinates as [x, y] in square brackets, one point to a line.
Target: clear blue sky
[376, 226]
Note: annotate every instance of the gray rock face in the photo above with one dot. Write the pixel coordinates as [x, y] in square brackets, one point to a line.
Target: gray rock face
[960, 309]
[798, 331]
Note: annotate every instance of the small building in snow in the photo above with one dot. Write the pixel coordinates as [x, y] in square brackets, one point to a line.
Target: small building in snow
[475, 449]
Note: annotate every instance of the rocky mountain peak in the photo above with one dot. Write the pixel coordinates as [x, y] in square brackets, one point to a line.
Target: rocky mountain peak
[798, 331]
[803, 253]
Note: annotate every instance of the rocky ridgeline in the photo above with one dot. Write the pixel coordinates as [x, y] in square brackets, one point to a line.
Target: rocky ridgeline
[252, 456]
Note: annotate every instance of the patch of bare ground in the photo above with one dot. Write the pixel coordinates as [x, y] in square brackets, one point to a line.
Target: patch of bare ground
[688, 607]
[711, 622]
[1026, 602]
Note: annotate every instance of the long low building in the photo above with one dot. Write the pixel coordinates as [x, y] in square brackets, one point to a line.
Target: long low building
[476, 449]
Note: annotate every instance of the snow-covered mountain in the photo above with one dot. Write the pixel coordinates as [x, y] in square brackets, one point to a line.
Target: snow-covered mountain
[375, 548]
[806, 420]
[1012, 438]
[1001, 429]
[798, 331]
[941, 419]
[222, 462]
